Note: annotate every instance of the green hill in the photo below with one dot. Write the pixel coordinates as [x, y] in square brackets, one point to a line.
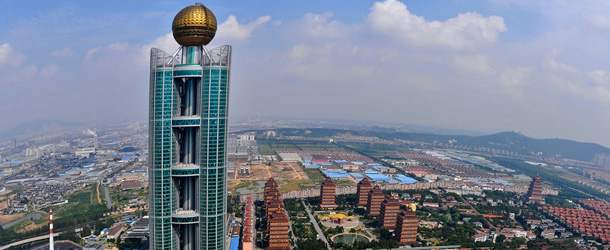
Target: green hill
[511, 141]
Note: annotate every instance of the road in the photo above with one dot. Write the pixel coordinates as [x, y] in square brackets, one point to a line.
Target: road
[316, 226]
[31, 216]
[294, 238]
[97, 188]
[42, 237]
[477, 212]
[372, 236]
[108, 200]
[293, 169]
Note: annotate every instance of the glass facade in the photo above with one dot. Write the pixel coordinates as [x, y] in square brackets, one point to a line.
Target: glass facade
[187, 145]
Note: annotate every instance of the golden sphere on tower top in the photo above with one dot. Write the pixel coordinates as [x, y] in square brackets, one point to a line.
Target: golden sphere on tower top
[194, 25]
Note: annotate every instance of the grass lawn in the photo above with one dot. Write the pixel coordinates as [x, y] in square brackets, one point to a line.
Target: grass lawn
[294, 185]
[264, 147]
[268, 147]
[315, 174]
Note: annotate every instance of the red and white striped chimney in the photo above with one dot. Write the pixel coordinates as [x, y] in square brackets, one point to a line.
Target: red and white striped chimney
[51, 247]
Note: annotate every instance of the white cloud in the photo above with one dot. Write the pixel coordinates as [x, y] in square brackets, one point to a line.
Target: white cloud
[474, 64]
[91, 53]
[578, 83]
[166, 43]
[467, 30]
[48, 71]
[9, 56]
[64, 53]
[314, 27]
[25, 74]
[232, 30]
[300, 51]
[512, 80]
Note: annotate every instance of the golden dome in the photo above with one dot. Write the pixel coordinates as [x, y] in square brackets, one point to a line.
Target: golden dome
[194, 25]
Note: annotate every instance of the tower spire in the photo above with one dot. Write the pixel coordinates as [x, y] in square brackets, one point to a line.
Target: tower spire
[51, 247]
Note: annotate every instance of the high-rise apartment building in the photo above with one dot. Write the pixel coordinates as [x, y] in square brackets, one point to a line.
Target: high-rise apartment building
[362, 193]
[277, 226]
[406, 228]
[271, 190]
[187, 136]
[388, 213]
[327, 194]
[373, 204]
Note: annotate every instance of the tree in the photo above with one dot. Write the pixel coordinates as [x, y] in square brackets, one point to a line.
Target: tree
[501, 238]
[86, 232]
[384, 233]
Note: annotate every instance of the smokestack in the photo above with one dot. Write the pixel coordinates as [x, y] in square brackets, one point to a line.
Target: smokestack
[51, 247]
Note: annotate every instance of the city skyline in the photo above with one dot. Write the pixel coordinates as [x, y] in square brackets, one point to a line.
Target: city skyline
[538, 68]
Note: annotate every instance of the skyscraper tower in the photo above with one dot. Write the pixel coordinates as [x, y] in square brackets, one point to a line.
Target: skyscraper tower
[187, 142]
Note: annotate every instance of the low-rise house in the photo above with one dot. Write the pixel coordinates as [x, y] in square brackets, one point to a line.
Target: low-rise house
[114, 232]
[480, 237]
[548, 234]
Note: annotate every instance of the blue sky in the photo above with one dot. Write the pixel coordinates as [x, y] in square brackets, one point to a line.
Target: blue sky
[538, 67]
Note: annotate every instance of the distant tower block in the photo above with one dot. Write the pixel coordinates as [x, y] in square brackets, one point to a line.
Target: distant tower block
[362, 195]
[373, 204]
[389, 211]
[406, 228]
[327, 194]
[534, 193]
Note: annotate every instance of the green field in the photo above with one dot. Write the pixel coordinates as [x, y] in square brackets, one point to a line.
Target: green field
[294, 185]
[268, 147]
[315, 174]
[378, 150]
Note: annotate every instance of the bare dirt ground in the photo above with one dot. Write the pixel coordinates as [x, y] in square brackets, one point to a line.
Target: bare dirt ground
[288, 175]
[99, 201]
[288, 171]
[8, 218]
[33, 226]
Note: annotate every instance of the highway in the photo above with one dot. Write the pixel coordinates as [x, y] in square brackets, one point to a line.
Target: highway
[42, 237]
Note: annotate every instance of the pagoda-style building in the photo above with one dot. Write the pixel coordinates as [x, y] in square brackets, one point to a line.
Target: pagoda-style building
[327, 194]
[277, 226]
[362, 195]
[389, 211]
[534, 193]
[272, 199]
[406, 228]
[271, 190]
[273, 205]
[373, 204]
